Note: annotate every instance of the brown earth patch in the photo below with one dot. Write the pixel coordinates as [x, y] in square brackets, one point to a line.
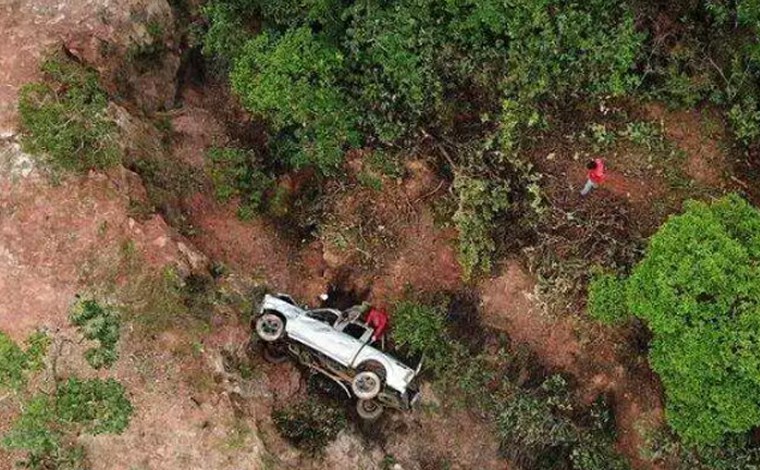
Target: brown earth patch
[55, 239]
[698, 133]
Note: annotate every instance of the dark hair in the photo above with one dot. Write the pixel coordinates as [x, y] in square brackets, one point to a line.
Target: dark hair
[591, 165]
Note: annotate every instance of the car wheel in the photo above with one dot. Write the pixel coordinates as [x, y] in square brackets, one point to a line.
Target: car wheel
[274, 353]
[366, 385]
[369, 410]
[270, 327]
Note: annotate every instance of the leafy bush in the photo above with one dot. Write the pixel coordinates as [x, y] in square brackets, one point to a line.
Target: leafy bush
[537, 430]
[422, 329]
[101, 324]
[46, 423]
[698, 289]
[310, 425]
[480, 202]
[606, 299]
[292, 81]
[325, 73]
[64, 117]
[100, 406]
[15, 363]
[712, 54]
[238, 173]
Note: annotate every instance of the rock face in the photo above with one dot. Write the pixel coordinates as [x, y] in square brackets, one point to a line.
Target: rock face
[131, 43]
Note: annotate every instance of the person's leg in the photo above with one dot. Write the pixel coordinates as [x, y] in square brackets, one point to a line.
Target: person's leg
[589, 186]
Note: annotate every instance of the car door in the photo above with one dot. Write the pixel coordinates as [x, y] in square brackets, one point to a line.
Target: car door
[316, 329]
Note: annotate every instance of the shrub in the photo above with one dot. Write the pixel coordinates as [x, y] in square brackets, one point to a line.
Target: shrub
[422, 329]
[712, 54]
[698, 289]
[64, 117]
[606, 299]
[480, 202]
[238, 173]
[47, 423]
[325, 73]
[100, 406]
[292, 80]
[15, 363]
[98, 323]
[537, 430]
[310, 425]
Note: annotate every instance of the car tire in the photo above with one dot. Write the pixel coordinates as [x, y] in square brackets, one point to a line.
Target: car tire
[369, 410]
[274, 353]
[366, 385]
[270, 327]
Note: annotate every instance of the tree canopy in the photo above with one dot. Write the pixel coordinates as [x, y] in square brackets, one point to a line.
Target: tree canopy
[698, 289]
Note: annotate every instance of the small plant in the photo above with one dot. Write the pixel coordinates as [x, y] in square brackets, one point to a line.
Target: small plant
[601, 137]
[16, 364]
[46, 425]
[237, 173]
[98, 323]
[64, 117]
[310, 425]
[99, 406]
[643, 133]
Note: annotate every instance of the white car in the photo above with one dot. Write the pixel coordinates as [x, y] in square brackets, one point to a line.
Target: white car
[333, 343]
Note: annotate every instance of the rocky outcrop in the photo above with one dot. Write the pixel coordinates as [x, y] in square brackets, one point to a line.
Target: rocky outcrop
[132, 43]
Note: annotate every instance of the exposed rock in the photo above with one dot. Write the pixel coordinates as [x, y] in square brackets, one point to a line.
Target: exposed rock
[132, 43]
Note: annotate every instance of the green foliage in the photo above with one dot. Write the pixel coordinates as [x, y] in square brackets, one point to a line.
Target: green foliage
[15, 363]
[607, 299]
[292, 81]
[537, 430]
[237, 173]
[422, 329]
[310, 425]
[43, 430]
[480, 203]
[713, 54]
[98, 323]
[538, 427]
[324, 72]
[12, 363]
[34, 430]
[64, 117]
[99, 406]
[698, 289]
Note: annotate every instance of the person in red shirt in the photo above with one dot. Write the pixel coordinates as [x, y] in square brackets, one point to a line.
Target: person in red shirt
[596, 175]
[378, 320]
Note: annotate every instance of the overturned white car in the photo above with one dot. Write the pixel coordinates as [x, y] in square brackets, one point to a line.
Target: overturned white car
[338, 346]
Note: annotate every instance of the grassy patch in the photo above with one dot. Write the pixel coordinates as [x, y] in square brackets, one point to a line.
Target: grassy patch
[64, 118]
[101, 324]
[16, 364]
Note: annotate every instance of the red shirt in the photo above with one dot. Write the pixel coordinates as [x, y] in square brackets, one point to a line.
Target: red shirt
[378, 320]
[597, 175]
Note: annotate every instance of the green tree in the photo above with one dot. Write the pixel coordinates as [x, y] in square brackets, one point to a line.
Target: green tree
[698, 289]
[292, 80]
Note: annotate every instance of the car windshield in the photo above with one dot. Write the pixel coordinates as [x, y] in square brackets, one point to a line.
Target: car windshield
[325, 316]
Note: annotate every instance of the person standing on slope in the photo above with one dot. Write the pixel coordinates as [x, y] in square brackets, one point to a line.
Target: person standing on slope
[596, 175]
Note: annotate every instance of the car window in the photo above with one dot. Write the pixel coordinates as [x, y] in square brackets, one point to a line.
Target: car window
[325, 316]
[355, 330]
